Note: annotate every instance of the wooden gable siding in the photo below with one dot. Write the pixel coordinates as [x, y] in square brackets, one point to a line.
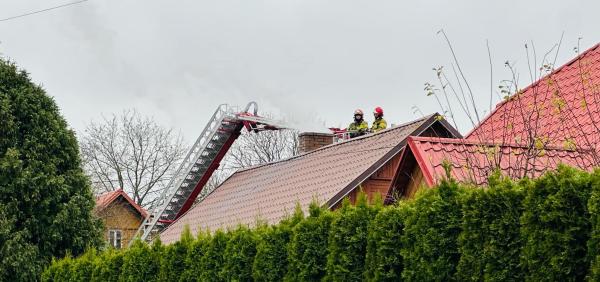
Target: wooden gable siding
[378, 182]
[381, 180]
[416, 182]
[120, 215]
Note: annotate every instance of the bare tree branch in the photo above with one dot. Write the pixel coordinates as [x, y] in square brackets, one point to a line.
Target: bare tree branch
[132, 153]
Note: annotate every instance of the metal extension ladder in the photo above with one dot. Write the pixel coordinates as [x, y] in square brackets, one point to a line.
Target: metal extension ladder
[194, 171]
[198, 166]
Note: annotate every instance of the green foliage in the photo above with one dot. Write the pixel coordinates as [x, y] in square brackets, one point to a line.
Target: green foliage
[142, 263]
[108, 267]
[431, 232]
[239, 254]
[59, 271]
[490, 243]
[213, 261]
[174, 262]
[555, 226]
[594, 241]
[307, 253]
[193, 260]
[348, 239]
[384, 260]
[83, 267]
[45, 198]
[271, 259]
[532, 230]
[51, 271]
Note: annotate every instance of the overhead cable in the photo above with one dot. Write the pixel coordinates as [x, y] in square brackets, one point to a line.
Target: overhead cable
[41, 11]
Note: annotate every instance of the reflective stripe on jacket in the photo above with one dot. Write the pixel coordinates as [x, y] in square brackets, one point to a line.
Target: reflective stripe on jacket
[378, 125]
[362, 127]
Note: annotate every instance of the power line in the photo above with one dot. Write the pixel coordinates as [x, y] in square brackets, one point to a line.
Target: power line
[45, 10]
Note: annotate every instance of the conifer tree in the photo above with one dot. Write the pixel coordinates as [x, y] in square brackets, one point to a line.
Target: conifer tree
[45, 198]
[239, 254]
[490, 243]
[348, 239]
[50, 272]
[196, 253]
[593, 243]
[430, 247]
[556, 226]
[109, 266]
[174, 262]
[271, 259]
[384, 260]
[142, 263]
[308, 248]
[213, 261]
[59, 271]
[83, 267]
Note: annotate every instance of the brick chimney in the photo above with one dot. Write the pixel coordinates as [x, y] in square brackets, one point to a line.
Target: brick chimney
[310, 141]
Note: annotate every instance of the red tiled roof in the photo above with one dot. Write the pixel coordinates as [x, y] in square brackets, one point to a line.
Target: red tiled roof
[104, 200]
[473, 161]
[574, 87]
[329, 172]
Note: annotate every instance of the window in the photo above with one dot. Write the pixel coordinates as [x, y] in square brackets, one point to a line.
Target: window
[114, 238]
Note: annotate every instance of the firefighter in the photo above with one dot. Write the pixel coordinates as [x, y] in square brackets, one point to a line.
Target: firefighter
[359, 124]
[379, 124]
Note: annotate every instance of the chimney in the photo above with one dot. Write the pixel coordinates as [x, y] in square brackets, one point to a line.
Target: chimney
[310, 141]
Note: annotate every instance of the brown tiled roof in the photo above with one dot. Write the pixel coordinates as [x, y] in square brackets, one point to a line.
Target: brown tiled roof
[473, 161]
[329, 172]
[104, 200]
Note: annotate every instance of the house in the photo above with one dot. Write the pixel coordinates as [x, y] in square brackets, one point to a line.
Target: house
[330, 172]
[121, 215]
[554, 120]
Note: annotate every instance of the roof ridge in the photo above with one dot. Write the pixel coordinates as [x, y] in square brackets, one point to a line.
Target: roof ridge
[397, 127]
[111, 196]
[489, 143]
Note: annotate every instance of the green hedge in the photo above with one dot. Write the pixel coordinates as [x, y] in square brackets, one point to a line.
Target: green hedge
[556, 226]
[271, 259]
[430, 242]
[348, 239]
[193, 260]
[308, 249]
[594, 241]
[108, 267]
[384, 261]
[142, 263]
[547, 229]
[213, 261]
[175, 260]
[490, 243]
[239, 254]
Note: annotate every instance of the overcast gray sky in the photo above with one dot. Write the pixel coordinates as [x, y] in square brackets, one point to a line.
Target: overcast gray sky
[178, 60]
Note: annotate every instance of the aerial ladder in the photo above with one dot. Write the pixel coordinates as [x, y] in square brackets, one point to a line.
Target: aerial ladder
[199, 164]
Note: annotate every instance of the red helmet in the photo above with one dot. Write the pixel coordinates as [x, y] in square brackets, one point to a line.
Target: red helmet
[358, 112]
[378, 111]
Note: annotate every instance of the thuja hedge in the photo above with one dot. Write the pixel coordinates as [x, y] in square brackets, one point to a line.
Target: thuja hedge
[546, 229]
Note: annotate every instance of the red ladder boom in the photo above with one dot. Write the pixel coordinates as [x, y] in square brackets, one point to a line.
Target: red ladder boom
[198, 166]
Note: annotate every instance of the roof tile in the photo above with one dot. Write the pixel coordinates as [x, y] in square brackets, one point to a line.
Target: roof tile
[575, 87]
[473, 162]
